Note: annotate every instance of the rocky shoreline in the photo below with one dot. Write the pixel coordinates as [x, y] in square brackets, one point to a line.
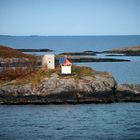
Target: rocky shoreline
[101, 87]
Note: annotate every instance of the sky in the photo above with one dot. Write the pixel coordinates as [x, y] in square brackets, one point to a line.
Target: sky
[69, 17]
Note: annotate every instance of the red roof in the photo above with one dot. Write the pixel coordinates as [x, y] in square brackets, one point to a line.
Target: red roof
[67, 63]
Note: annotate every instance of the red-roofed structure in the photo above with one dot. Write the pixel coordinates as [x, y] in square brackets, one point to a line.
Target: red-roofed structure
[67, 63]
[66, 67]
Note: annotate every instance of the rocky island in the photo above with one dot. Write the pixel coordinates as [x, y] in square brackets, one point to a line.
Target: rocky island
[32, 84]
[129, 51]
[84, 86]
[87, 56]
[35, 50]
[79, 53]
[79, 59]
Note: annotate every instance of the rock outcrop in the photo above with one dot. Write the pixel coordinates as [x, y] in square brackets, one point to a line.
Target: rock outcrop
[56, 89]
[98, 88]
[128, 93]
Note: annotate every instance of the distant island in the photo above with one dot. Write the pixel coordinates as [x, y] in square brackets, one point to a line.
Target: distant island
[129, 51]
[35, 50]
[79, 53]
[88, 56]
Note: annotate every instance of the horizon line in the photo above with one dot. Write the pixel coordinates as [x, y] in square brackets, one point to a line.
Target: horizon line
[72, 35]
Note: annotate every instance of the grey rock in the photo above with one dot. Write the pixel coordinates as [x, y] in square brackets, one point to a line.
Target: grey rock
[128, 92]
[63, 89]
[20, 90]
[98, 88]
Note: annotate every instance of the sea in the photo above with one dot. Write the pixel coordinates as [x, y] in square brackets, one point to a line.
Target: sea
[116, 121]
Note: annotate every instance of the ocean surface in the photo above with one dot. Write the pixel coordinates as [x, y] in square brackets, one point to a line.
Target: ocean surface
[124, 72]
[71, 43]
[118, 121]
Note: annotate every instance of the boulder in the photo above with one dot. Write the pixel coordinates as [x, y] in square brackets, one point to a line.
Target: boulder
[128, 93]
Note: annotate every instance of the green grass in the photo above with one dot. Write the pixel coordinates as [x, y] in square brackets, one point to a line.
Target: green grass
[82, 71]
[40, 75]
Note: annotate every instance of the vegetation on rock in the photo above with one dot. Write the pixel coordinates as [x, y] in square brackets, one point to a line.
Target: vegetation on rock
[7, 52]
[36, 75]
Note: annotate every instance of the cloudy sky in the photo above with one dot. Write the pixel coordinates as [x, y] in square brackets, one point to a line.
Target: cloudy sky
[70, 17]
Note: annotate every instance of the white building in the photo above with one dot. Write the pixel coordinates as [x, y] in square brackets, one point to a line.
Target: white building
[65, 69]
[49, 61]
[65, 66]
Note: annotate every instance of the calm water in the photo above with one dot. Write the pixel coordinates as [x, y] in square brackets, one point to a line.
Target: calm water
[71, 43]
[120, 121]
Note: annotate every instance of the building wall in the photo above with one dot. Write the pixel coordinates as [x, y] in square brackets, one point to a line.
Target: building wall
[65, 69]
[49, 61]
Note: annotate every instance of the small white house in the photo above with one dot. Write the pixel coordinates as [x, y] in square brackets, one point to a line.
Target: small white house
[49, 61]
[65, 66]
[65, 69]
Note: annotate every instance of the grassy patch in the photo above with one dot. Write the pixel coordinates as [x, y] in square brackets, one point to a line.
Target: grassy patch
[82, 71]
[25, 75]
[10, 74]
[41, 74]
